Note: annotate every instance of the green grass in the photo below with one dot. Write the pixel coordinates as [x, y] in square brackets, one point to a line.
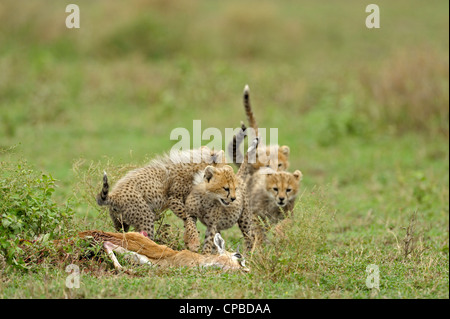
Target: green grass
[365, 113]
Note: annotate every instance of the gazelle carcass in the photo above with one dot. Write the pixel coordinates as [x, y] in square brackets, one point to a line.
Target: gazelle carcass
[141, 250]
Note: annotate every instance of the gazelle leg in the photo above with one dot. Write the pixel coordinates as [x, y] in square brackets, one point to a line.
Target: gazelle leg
[136, 258]
[129, 255]
[110, 247]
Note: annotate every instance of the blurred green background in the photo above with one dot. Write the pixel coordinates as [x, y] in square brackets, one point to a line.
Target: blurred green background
[364, 111]
[136, 70]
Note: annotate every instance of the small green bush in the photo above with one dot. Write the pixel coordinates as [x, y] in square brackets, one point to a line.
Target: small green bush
[27, 210]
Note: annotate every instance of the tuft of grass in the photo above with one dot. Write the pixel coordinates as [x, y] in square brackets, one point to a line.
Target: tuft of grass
[294, 243]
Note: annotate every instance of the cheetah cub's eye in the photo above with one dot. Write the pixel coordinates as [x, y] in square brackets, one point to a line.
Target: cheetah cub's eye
[275, 189]
[279, 165]
[288, 190]
[226, 189]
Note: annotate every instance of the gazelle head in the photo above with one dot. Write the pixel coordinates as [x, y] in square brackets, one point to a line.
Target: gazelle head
[227, 259]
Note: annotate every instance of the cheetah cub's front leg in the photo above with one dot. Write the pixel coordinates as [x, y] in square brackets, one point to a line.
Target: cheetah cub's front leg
[191, 235]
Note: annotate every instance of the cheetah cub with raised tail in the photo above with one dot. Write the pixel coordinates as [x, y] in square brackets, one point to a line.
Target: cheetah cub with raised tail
[163, 184]
[272, 199]
[268, 156]
[219, 200]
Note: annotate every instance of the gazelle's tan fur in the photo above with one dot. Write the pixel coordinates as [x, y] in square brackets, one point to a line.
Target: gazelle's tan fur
[145, 251]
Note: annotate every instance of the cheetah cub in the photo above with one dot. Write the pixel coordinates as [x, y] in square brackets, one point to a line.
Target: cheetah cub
[219, 200]
[163, 184]
[272, 199]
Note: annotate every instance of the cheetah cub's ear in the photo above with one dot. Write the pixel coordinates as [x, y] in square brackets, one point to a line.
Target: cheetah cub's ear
[220, 243]
[228, 168]
[209, 173]
[285, 150]
[298, 175]
[217, 157]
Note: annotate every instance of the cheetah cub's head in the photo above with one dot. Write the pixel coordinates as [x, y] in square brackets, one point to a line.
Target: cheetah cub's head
[283, 158]
[283, 186]
[272, 157]
[220, 183]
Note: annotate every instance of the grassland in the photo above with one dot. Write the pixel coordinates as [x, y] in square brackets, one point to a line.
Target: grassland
[364, 111]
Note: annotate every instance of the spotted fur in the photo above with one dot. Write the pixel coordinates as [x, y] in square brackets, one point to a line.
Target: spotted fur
[163, 184]
[219, 200]
[272, 199]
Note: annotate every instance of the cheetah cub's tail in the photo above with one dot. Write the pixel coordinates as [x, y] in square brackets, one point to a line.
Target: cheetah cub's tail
[233, 147]
[248, 110]
[102, 197]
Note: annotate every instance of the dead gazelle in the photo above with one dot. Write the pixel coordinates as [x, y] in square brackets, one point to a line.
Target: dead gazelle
[139, 249]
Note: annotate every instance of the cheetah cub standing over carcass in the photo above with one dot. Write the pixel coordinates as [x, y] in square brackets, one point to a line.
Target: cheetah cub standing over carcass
[163, 184]
[219, 200]
[272, 199]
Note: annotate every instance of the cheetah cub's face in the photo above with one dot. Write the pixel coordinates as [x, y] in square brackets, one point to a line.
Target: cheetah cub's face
[272, 157]
[283, 186]
[283, 158]
[221, 183]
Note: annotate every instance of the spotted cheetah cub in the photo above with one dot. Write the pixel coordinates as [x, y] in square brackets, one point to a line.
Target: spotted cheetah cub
[219, 200]
[272, 199]
[163, 184]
